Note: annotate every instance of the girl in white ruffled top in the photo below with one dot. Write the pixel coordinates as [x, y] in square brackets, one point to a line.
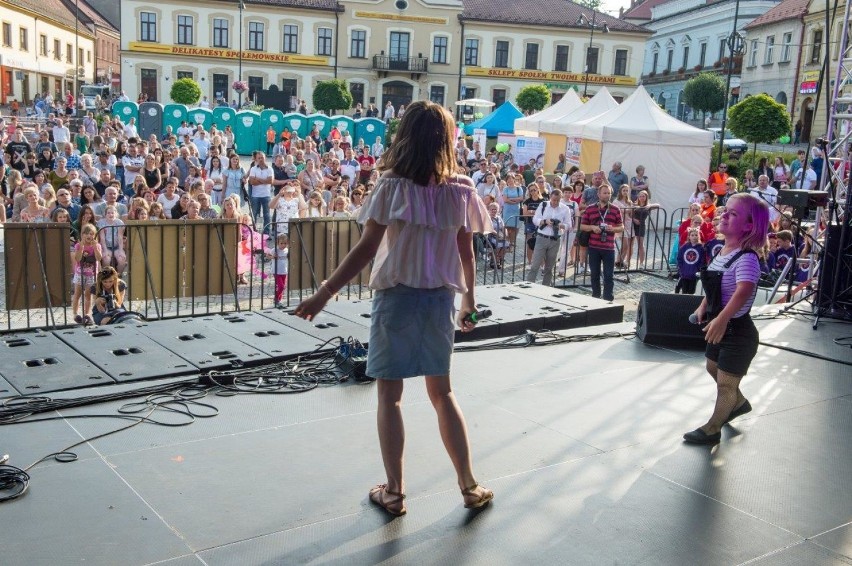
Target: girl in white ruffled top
[419, 222]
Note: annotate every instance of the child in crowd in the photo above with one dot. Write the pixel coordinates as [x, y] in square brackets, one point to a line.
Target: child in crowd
[281, 255]
[785, 251]
[109, 296]
[112, 238]
[497, 241]
[87, 256]
[714, 244]
[690, 260]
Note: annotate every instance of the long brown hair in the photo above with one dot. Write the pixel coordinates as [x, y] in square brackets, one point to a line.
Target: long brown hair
[422, 149]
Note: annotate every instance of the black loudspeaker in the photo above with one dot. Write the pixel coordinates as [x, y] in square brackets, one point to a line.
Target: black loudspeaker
[663, 320]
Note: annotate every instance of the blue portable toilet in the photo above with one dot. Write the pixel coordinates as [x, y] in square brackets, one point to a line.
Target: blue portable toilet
[224, 116]
[321, 120]
[369, 129]
[173, 115]
[201, 117]
[344, 123]
[274, 118]
[150, 120]
[297, 123]
[248, 134]
[125, 111]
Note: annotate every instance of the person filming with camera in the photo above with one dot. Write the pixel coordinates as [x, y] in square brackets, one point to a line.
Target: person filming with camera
[550, 221]
[108, 291]
[604, 222]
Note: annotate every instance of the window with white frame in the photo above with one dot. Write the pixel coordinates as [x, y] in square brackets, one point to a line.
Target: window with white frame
[358, 44]
[184, 30]
[471, 52]
[439, 49]
[560, 63]
[220, 32]
[255, 38]
[147, 26]
[786, 44]
[291, 39]
[769, 52]
[324, 42]
[752, 53]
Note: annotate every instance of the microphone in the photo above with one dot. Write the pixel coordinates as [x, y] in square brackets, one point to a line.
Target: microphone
[476, 316]
[694, 319]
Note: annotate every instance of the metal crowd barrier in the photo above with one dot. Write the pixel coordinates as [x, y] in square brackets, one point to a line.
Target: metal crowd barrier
[178, 268]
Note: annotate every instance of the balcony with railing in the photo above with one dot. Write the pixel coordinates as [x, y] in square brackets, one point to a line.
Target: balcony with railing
[390, 63]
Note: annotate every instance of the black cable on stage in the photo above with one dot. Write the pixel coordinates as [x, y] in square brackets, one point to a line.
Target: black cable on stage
[805, 353]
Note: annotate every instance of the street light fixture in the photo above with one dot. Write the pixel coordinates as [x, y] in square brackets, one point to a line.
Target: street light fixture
[583, 20]
[240, 71]
[736, 44]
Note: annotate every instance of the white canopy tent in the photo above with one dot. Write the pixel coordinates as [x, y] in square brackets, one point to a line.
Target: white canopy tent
[553, 130]
[601, 103]
[529, 125]
[638, 132]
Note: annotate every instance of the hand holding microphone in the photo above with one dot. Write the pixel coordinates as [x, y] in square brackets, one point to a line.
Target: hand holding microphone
[475, 316]
[693, 318]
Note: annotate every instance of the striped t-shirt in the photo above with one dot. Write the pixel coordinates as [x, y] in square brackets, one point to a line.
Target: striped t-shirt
[745, 268]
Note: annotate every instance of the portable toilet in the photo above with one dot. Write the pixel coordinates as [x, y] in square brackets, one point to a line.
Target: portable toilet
[125, 111]
[201, 117]
[321, 120]
[274, 118]
[369, 129]
[173, 115]
[150, 120]
[248, 134]
[224, 116]
[297, 123]
[345, 124]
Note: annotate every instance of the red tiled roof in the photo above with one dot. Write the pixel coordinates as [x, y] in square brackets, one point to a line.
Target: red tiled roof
[786, 10]
[331, 5]
[53, 10]
[550, 13]
[642, 10]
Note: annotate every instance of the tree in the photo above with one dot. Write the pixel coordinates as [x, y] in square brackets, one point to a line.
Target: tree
[533, 98]
[759, 119]
[185, 91]
[705, 92]
[332, 95]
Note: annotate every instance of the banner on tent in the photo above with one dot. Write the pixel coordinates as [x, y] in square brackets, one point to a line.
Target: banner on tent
[572, 150]
[524, 148]
[480, 137]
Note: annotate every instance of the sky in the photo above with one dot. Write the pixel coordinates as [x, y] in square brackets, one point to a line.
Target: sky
[612, 6]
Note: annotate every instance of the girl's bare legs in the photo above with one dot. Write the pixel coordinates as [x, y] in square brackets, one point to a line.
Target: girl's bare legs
[453, 430]
[640, 249]
[75, 300]
[391, 436]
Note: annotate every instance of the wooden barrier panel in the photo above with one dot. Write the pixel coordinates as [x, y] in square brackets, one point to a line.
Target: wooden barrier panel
[38, 265]
[171, 259]
[211, 257]
[317, 246]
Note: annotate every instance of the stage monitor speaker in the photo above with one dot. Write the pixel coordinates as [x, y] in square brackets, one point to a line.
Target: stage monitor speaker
[663, 320]
[835, 258]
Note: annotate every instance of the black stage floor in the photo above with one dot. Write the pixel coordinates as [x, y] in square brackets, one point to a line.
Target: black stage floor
[581, 443]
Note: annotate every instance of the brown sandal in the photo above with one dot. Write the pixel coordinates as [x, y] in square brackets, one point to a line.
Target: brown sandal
[377, 497]
[481, 500]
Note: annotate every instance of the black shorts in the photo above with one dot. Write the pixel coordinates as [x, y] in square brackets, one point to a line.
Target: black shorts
[738, 346]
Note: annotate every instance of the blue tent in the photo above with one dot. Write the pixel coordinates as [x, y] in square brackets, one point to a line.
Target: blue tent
[501, 121]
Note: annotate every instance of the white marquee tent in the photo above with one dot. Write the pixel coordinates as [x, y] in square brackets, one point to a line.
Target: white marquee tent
[554, 130]
[529, 125]
[638, 132]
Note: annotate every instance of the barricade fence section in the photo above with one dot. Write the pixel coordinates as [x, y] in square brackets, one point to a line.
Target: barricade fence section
[178, 268]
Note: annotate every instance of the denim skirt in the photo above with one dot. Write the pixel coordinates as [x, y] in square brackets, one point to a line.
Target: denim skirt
[412, 332]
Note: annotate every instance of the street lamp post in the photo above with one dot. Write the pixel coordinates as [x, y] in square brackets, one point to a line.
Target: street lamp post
[74, 88]
[583, 20]
[240, 70]
[735, 44]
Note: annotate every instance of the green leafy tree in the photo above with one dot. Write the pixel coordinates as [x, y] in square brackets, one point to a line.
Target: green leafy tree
[706, 93]
[185, 91]
[332, 95]
[533, 98]
[759, 119]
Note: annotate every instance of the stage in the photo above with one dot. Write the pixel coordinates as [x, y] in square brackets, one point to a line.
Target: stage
[581, 443]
